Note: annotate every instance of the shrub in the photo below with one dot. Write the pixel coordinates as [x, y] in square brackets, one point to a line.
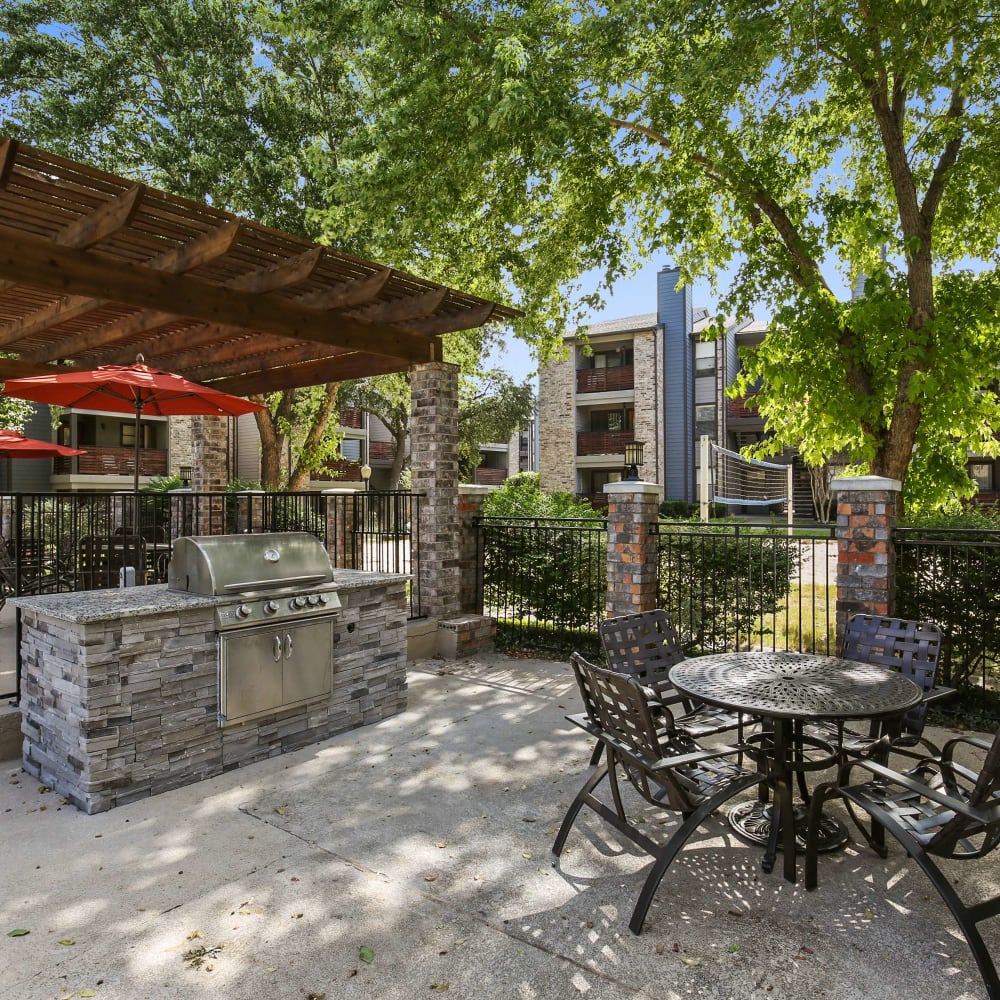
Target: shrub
[719, 584]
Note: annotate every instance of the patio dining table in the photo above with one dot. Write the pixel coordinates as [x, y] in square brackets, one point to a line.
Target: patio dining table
[786, 691]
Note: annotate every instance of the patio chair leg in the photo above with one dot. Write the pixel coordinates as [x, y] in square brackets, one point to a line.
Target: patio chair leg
[666, 855]
[820, 794]
[574, 810]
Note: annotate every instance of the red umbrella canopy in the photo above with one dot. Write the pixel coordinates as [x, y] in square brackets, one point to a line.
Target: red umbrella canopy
[129, 389]
[16, 445]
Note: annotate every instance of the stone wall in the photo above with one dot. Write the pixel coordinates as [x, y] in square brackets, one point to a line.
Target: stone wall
[180, 443]
[117, 710]
[556, 425]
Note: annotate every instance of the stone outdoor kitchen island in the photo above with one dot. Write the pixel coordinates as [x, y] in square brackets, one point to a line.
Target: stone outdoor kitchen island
[120, 692]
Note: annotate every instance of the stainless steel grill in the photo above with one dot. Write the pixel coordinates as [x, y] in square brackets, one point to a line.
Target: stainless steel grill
[276, 628]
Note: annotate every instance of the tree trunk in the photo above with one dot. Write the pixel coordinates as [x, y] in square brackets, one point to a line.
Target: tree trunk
[298, 479]
[272, 441]
[399, 459]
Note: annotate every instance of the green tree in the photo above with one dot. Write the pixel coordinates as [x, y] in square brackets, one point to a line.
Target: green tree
[809, 145]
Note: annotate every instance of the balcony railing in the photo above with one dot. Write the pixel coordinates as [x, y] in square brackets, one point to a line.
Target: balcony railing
[490, 477]
[381, 450]
[352, 418]
[743, 408]
[605, 379]
[113, 462]
[603, 442]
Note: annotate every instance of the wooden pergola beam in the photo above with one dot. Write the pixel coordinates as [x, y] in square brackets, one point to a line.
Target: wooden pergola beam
[266, 279]
[348, 366]
[467, 320]
[401, 310]
[349, 294]
[34, 261]
[212, 244]
[202, 370]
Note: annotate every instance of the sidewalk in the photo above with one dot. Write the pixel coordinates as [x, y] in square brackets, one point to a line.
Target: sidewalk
[412, 859]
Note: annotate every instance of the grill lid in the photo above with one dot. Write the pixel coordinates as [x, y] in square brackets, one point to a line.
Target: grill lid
[219, 565]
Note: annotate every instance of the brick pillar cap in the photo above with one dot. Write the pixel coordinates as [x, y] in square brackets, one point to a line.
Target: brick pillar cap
[640, 488]
[474, 490]
[867, 484]
[339, 489]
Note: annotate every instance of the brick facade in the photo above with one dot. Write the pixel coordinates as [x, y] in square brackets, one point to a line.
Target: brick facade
[648, 399]
[867, 508]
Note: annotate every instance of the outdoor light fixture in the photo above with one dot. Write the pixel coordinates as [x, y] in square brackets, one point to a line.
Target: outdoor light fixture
[185, 473]
[366, 475]
[633, 459]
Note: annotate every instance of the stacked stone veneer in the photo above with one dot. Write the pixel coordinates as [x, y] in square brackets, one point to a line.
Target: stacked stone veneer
[648, 389]
[632, 547]
[867, 508]
[122, 708]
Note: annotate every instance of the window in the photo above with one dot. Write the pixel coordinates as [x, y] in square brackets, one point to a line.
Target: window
[704, 361]
[598, 480]
[982, 475]
[612, 420]
[617, 358]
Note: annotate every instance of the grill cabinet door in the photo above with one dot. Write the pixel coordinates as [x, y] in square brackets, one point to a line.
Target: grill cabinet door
[308, 657]
[251, 664]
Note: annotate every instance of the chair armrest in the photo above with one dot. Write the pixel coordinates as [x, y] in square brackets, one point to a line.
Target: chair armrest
[683, 759]
[990, 815]
[936, 693]
[979, 742]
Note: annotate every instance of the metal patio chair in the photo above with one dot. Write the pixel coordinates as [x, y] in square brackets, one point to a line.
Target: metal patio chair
[664, 765]
[937, 810]
[910, 647]
[645, 645]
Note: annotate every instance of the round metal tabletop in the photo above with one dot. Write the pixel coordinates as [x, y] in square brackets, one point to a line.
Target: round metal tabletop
[795, 685]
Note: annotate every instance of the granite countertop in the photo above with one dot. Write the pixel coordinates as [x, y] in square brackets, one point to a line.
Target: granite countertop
[99, 605]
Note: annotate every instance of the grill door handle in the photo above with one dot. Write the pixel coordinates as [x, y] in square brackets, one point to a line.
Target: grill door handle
[276, 652]
[288, 645]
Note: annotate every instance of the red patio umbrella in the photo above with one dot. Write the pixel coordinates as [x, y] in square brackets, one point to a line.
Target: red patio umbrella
[14, 444]
[129, 389]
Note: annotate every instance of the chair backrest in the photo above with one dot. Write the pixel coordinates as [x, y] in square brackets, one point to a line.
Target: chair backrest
[910, 647]
[644, 645]
[618, 706]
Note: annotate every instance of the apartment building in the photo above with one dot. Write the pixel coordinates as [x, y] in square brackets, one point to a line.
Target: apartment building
[647, 378]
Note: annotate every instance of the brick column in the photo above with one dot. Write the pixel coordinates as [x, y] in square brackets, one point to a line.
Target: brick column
[470, 506]
[208, 468]
[867, 507]
[340, 506]
[632, 546]
[434, 463]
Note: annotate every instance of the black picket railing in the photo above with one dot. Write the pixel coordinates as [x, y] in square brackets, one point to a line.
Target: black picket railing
[76, 541]
[544, 580]
[952, 577]
[739, 586]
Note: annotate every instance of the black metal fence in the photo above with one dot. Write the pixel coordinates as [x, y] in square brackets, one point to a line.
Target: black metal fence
[737, 586]
[952, 577]
[54, 542]
[544, 580]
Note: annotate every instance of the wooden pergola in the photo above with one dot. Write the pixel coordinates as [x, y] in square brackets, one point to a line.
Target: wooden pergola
[95, 269]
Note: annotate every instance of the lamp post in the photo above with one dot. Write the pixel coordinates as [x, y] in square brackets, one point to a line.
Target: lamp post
[633, 459]
[366, 475]
[185, 475]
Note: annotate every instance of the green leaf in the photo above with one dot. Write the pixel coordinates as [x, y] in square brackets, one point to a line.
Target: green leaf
[18, 932]
[366, 954]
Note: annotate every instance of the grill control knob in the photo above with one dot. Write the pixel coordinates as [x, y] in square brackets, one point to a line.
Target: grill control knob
[270, 607]
[298, 602]
[313, 600]
[322, 598]
[244, 611]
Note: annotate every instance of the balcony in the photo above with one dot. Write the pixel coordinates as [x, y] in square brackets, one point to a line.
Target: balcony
[490, 477]
[113, 462]
[381, 451]
[742, 414]
[603, 442]
[353, 418]
[605, 379]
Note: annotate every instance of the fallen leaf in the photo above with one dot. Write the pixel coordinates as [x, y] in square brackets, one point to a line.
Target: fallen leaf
[691, 961]
[526, 856]
[430, 878]
[281, 810]
[67, 941]
[366, 954]
[441, 843]
[868, 915]
[88, 993]
[660, 949]
[18, 932]
[733, 948]
[440, 987]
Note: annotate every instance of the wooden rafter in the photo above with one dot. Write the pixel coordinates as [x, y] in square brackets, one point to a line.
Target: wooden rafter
[95, 269]
[64, 269]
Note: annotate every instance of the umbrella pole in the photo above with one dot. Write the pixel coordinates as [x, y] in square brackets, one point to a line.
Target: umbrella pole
[135, 498]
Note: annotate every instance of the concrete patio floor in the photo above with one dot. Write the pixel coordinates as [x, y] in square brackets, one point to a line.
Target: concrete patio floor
[423, 844]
